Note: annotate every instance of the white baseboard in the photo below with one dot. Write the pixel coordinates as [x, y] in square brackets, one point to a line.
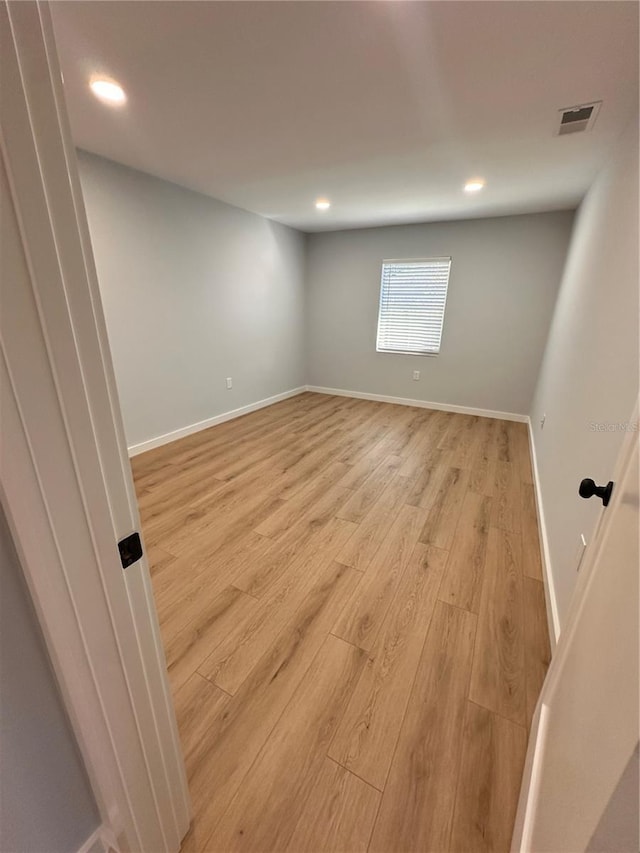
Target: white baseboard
[100, 841]
[159, 440]
[422, 404]
[549, 588]
[168, 437]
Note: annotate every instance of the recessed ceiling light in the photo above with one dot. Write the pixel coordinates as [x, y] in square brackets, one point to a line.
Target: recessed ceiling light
[108, 91]
[475, 185]
[323, 204]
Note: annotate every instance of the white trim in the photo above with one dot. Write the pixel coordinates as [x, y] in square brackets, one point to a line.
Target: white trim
[59, 437]
[168, 437]
[421, 404]
[553, 617]
[100, 841]
[530, 791]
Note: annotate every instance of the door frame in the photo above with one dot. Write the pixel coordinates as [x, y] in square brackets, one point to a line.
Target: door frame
[64, 466]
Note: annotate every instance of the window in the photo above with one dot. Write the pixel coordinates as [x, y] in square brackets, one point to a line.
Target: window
[413, 295]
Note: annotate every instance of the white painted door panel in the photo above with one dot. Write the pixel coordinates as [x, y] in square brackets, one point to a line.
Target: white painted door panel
[65, 477]
[587, 722]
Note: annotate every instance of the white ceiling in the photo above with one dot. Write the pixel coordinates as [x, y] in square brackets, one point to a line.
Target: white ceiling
[386, 108]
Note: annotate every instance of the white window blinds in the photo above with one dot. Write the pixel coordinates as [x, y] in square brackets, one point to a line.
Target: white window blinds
[413, 295]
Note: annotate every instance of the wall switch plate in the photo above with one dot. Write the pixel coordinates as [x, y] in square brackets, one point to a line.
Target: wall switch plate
[229, 382]
[542, 420]
[416, 375]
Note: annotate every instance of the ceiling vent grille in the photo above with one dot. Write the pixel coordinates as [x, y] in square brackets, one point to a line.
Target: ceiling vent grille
[578, 119]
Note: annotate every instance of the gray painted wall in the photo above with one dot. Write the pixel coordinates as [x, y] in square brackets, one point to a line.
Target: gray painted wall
[46, 803]
[590, 370]
[194, 291]
[617, 830]
[504, 281]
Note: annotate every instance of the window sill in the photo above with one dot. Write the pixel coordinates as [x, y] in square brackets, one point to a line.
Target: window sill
[406, 352]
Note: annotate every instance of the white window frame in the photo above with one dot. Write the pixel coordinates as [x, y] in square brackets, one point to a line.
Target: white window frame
[429, 352]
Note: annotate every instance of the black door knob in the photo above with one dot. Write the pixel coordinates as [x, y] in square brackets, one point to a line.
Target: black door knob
[588, 489]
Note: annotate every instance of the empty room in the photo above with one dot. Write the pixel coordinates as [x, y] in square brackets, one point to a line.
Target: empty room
[319, 467]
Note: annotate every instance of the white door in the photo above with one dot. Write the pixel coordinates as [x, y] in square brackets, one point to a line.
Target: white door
[65, 479]
[586, 726]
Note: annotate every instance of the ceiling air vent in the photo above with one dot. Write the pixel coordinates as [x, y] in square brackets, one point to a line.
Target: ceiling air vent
[578, 119]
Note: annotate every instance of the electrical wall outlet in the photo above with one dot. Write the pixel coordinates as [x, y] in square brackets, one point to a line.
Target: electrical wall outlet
[416, 375]
[229, 382]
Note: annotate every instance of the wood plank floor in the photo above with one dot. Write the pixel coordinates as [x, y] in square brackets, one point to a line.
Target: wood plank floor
[351, 602]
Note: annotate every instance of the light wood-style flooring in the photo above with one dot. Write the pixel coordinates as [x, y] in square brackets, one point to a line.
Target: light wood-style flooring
[351, 601]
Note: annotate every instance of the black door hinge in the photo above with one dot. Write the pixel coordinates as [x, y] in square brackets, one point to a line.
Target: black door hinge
[130, 549]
